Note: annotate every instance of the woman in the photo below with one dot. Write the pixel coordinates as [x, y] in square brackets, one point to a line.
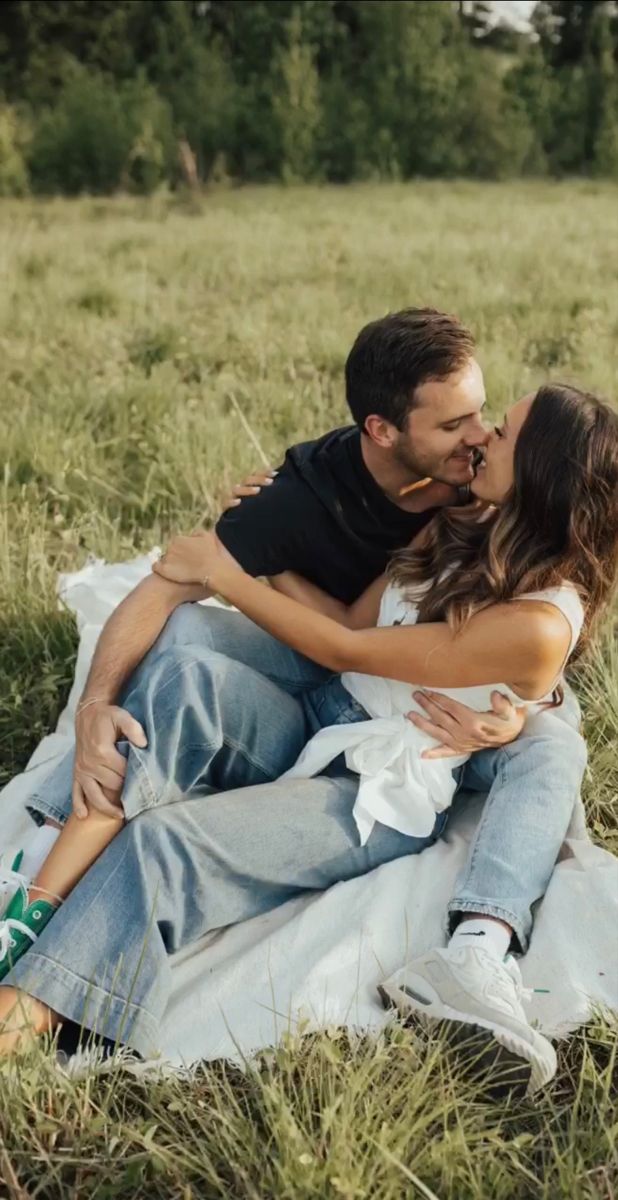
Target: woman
[503, 593]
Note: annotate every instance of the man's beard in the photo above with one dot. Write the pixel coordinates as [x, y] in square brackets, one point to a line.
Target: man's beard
[416, 467]
[427, 468]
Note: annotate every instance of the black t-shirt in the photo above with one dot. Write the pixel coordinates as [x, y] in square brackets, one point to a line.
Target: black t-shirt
[324, 516]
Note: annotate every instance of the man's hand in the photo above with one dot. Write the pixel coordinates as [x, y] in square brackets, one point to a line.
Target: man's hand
[98, 775]
[251, 486]
[462, 730]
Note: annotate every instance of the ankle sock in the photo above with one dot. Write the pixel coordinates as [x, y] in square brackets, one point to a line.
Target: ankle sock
[480, 931]
[37, 850]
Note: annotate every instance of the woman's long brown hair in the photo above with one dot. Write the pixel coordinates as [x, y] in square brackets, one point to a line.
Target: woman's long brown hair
[559, 522]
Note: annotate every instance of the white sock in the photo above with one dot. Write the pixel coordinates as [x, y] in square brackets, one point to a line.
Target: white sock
[37, 850]
[482, 931]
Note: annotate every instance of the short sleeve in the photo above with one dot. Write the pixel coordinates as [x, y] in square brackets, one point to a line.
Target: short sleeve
[264, 532]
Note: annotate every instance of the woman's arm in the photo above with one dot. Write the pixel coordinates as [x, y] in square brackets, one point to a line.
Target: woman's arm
[361, 614]
[522, 643]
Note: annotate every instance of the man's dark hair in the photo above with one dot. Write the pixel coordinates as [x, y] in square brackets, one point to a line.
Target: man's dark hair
[393, 356]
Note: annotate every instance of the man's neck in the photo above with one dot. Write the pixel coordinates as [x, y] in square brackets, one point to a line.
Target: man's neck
[398, 482]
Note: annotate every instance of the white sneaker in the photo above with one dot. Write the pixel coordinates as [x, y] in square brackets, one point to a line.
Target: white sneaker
[11, 880]
[472, 986]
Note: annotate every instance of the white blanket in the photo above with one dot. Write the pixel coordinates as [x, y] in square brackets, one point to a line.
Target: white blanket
[316, 961]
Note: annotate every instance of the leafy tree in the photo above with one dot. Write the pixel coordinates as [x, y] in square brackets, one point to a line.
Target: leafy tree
[336, 89]
[297, 104]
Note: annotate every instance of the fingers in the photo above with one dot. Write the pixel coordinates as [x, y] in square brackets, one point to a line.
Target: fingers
[501, 705]
[431, 702]
[441, 735]
[131, 728]
[251, 486]
[112, 780]
[240, 491]
[260, 479]
[108, 758]
[446, 704]
[441, 752]
[254, 483]
[160, 568]
[96, 798]
[80, 808]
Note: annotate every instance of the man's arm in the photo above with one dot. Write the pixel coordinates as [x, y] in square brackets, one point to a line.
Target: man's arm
[264, 538]
[126, 638]
[132, 629]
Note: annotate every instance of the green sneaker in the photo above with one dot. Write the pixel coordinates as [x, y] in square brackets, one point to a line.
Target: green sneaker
[20, 927]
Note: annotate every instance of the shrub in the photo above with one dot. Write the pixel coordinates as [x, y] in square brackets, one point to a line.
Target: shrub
[84, 142]
[102, 136]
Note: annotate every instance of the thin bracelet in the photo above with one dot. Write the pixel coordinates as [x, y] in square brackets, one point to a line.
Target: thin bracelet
[95, 700]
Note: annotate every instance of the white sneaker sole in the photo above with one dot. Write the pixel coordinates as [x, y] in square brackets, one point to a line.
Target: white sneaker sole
[539, 1054]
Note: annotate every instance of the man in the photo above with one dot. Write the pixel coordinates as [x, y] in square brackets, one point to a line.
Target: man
[335, 511]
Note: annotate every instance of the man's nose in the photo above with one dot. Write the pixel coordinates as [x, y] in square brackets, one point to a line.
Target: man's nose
[476, 435]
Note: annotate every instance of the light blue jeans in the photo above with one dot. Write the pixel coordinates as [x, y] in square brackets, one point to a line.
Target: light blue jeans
[211, 840]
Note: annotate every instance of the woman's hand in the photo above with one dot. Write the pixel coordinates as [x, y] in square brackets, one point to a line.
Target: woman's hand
[251, 486]
[194, 558]
[462, 730]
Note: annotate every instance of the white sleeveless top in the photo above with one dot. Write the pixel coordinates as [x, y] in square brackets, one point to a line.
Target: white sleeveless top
[397, 787]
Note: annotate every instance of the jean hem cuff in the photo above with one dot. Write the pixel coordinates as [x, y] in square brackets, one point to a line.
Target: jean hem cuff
[84, 1003]
[41, 811]
[519, 941]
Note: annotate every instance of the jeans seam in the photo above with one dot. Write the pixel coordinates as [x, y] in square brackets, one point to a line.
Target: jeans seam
[106, 881]
[144, 781]
[232, 745]
[155, 800]
[284, 683]
[498, 781]
[179, 671]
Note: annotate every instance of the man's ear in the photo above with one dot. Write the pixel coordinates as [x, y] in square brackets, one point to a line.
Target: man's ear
[381, 432]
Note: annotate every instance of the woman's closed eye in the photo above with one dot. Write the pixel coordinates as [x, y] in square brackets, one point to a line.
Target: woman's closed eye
[499, 432]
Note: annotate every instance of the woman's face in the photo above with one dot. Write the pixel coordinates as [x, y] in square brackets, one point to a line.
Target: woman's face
[496, 474]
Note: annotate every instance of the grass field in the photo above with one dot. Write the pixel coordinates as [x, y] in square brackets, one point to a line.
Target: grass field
[151, 351]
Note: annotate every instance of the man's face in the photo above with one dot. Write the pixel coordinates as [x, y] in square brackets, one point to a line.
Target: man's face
[444, 427]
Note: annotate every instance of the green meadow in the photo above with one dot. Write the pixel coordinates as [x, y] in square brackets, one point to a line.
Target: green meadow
[151, 352]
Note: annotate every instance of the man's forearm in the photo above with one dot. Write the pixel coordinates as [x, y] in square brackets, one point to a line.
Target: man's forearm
[132, 629]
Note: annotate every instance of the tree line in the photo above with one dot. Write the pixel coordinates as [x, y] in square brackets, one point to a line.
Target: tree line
[100, 95]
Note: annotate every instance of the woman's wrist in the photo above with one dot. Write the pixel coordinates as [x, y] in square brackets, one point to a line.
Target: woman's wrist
[221, 577]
